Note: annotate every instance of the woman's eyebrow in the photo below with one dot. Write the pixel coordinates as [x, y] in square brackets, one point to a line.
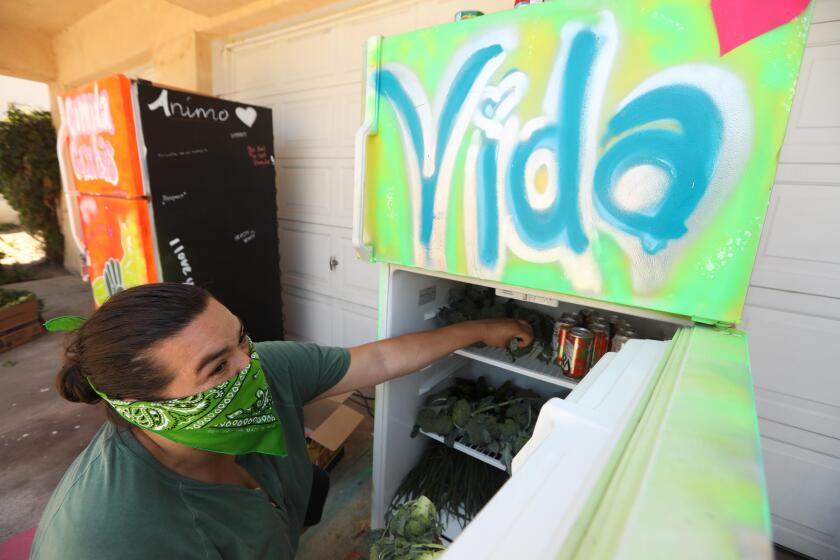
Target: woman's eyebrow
[219, 353]
[211, 358]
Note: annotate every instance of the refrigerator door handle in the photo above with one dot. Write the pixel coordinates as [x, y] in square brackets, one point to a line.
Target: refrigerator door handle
[368, 128]
[71, 195]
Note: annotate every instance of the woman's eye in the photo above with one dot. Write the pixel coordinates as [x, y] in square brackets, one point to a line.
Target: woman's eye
[219, 368]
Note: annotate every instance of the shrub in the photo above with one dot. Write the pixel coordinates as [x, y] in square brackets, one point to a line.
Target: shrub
[29, 176]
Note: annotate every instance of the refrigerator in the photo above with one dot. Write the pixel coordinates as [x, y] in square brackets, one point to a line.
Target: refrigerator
[164, 185]
[597, 155]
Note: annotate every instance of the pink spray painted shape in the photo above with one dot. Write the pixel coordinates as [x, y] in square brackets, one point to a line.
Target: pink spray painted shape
[740, 21]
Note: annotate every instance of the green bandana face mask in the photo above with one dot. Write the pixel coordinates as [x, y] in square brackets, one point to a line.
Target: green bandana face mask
[235, 417]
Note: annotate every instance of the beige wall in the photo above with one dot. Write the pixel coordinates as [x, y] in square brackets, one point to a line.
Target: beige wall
[124, 34]
[128, 33]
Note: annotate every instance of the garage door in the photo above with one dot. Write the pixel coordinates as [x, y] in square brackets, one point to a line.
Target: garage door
[310, 75]
[793, 308]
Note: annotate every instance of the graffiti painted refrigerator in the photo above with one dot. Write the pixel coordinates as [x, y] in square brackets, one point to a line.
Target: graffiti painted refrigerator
[163, 185]
[571, 160]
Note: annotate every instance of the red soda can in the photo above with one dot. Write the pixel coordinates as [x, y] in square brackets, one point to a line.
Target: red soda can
[573, 317]
[577, 352]
[600, 343]
[621, 338]
[558, 340]
[597, 322]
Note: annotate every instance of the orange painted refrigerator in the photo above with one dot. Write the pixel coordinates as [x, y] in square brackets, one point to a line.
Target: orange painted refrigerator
[163, 185]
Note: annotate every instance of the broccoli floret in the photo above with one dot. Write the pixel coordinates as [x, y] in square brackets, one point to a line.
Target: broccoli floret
[461, 413]
[434, 422]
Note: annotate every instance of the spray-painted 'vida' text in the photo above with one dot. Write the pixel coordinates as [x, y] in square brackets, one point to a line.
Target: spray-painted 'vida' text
[648, 174]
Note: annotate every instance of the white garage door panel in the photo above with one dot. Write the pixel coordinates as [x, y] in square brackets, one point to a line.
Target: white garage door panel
[352, 33]
[790, 240]
[305, 252]
[358, 280]
[813, 133]
[800, 257]
[353, 324]
[289, 58]
[792, 341]
[303, 123]
[308, 316]
[304, 189]
[318, 191]
[803, 507]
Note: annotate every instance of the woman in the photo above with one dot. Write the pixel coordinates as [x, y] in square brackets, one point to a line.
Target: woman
[204, 454]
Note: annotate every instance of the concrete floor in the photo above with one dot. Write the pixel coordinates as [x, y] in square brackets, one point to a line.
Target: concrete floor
[41, 434]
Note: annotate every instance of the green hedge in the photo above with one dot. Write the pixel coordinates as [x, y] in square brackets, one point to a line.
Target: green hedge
[29, 176]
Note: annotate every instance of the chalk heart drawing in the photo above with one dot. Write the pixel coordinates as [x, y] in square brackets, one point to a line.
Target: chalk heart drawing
[668, 158]
[247, 115]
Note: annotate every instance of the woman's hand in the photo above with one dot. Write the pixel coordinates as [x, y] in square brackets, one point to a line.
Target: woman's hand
[499, 332]
[373, 363]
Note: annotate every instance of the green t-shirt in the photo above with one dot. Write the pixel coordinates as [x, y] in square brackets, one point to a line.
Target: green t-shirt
[116, 501]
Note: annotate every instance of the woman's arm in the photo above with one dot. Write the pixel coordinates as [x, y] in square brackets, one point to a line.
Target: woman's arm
[371, 364]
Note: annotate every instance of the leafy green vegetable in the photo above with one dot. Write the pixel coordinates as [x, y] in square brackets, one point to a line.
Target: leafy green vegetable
[473, 302]
[498, 420]
[412, 533]
[457, 483]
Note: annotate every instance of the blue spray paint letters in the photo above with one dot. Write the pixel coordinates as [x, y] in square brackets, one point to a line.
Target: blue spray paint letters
[687, 156]
[676, 127]
[487, 208]
[561, 222]
[463, 83]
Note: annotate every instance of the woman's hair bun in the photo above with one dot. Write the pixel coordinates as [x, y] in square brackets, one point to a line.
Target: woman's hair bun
[73, 386]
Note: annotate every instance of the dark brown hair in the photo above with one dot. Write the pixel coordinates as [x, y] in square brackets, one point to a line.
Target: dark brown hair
[111, 348]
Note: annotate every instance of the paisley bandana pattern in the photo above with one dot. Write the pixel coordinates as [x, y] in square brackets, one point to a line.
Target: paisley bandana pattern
[234, 417]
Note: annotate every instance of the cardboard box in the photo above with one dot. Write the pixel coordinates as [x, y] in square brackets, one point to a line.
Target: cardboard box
[17, 315]
[327, 424]
[20, 335]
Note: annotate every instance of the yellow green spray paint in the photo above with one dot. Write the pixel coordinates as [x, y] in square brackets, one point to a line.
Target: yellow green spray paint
[619, 151]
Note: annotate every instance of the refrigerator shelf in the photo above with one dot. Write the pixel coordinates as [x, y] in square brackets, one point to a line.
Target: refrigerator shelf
[527, 365]
[492, 459]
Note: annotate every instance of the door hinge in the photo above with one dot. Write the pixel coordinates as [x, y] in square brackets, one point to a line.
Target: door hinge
[713, 323]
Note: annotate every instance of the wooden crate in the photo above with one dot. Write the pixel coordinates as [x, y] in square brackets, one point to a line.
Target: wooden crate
[17, 315]
[20, 335]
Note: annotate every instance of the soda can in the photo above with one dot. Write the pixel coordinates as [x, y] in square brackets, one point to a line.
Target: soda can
[468, 14]
[577, 352]
[600, 343]
[597, 322]
[558, 340]
[621, 338]
[573, 317]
